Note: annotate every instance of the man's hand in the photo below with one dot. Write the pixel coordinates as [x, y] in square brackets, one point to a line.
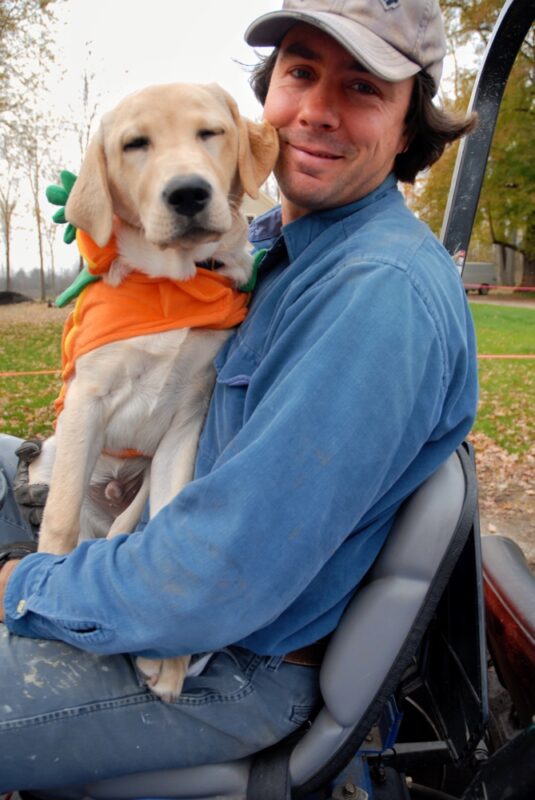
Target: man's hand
[5, 574]
[31, 497]
[10, 555]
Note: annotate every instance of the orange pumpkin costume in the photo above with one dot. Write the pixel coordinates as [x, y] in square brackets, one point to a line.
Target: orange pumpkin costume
[141, 305]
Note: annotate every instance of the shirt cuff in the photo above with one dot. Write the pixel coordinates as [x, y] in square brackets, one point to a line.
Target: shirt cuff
[21, 598]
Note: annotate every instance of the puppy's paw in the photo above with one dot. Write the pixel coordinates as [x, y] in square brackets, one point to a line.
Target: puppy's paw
[164, 677]
[238, 269]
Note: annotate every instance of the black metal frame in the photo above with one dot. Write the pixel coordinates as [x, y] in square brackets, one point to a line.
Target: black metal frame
[509, 32]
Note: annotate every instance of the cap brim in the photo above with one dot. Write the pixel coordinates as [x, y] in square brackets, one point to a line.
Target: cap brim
[370, 50]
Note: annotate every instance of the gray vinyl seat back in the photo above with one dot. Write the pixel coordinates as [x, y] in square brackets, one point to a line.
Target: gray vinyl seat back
[376, 640]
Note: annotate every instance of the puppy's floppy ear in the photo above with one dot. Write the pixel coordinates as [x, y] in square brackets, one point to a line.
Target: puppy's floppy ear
[257, 153]
[258, 146]
[89, 206]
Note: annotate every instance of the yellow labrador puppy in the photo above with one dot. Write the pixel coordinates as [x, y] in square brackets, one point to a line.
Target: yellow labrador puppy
[165, 175]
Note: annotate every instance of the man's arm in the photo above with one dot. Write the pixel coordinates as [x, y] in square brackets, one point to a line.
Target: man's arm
[336, 413]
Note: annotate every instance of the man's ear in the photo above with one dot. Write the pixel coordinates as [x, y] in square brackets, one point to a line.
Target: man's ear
[89, 206]
[258, 146]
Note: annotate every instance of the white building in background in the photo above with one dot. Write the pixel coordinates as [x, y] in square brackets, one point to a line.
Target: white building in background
[253, 208]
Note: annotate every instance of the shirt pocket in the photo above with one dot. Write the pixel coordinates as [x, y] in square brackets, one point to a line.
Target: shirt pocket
[235, 368]
[235, 365]
[235, 371]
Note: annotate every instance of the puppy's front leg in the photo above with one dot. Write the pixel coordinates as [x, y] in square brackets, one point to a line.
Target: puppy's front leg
[79, 440]
[172, 468]
[166, 677]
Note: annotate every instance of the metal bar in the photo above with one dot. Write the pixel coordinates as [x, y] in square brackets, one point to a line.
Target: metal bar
[508, 35]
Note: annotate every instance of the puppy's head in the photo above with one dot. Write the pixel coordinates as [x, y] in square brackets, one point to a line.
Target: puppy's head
[174, 161]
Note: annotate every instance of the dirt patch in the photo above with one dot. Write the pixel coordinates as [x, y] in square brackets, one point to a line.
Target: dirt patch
[32, 313]
[506, 493]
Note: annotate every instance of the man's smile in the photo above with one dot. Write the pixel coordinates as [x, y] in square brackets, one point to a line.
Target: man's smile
[312, 146]
[312, 152]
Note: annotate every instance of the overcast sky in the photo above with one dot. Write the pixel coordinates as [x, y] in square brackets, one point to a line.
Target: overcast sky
[133, 43]
[128, 44]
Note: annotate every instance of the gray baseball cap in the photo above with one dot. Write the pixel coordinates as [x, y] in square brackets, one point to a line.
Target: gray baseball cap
[393, 39]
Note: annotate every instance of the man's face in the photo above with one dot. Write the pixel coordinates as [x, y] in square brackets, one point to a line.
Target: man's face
[340, 127]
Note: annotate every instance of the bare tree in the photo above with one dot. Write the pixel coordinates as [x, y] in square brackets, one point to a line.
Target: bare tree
[32, 154]
[7, 209]
[89, 109]
[33, 150]
[24, 34]
[25, 53]
[84, 116]
[50, 233]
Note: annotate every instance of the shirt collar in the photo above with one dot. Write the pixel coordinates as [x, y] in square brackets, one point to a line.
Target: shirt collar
[299, 233]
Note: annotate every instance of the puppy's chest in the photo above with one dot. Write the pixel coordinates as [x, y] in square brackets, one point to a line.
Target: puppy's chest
[144, 383]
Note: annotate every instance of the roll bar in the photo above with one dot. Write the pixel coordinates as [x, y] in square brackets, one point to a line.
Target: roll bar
[509, 32]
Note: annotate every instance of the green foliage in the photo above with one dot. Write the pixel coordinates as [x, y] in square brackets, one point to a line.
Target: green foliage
[506, 211]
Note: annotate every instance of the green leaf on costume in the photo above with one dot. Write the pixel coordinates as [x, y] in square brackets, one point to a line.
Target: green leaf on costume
[257, 260]
[56, 195]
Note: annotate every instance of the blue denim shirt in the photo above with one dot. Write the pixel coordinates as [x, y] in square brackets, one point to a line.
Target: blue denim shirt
[352, 378]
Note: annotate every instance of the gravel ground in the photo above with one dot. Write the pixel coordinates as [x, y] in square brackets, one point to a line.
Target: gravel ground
[32, 313]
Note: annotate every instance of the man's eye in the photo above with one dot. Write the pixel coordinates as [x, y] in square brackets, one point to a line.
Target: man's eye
[138, 143]
[300, 73]
[209, 133]
[363, 88]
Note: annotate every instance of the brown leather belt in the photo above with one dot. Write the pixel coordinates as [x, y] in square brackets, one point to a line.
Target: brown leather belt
[309, 656]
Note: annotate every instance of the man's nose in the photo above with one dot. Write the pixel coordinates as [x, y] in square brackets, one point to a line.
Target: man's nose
[318, 107]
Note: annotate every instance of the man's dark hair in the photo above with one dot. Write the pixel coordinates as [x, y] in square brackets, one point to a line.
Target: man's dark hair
[429, 128]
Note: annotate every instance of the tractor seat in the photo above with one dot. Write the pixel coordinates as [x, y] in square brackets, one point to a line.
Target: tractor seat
[374, 644]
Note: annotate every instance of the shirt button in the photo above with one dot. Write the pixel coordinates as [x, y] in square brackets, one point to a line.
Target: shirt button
[21, 607]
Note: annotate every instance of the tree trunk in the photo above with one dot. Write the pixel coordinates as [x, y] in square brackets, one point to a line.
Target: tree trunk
[499, 253]
[42, 276]
[8, 264]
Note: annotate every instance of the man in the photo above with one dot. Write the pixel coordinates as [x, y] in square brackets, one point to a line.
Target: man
[351, 380]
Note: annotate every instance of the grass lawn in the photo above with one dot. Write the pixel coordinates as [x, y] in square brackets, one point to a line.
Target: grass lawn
[507, 399]
[26, 401]
[504, 329]
[507, 387]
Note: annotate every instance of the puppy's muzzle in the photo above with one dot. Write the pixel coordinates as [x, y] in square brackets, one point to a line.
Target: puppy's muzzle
[188, 195]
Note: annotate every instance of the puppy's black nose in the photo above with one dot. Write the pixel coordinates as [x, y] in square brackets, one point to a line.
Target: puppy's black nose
[187, 195]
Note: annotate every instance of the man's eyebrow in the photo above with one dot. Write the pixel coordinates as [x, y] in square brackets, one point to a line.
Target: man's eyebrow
[304, 51]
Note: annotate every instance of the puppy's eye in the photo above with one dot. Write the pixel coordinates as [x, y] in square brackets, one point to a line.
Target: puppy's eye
[138, 143]
[208, 133]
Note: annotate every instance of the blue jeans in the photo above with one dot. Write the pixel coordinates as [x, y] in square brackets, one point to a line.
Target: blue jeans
[68, 717]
